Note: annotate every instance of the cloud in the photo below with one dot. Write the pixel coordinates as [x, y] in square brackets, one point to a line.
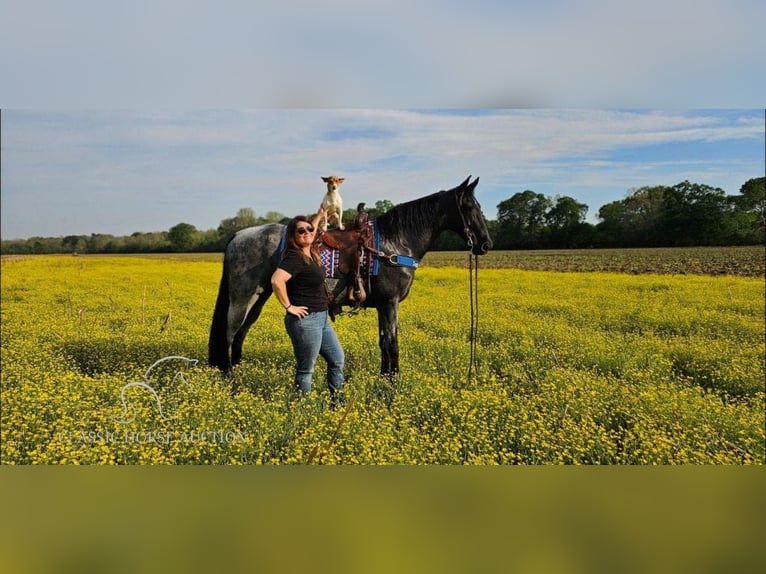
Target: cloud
[119, 172]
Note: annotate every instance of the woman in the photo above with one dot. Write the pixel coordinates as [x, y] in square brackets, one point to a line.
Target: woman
[299, 286]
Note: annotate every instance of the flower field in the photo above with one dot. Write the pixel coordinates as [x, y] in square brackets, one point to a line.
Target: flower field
[574, 367]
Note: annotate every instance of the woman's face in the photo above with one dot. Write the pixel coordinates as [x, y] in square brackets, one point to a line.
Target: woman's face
[304, 234]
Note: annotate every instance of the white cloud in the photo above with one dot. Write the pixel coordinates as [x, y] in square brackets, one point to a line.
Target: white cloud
[148, 171]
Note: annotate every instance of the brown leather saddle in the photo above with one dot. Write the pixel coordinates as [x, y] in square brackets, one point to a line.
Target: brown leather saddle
[353, 247]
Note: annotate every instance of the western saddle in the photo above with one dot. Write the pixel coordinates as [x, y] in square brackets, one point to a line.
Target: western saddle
[351, 243]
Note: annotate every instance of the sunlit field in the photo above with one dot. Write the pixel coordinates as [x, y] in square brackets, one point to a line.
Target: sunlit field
[575, 367]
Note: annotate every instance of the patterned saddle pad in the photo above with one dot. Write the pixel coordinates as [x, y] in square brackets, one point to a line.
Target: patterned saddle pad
[330, 259]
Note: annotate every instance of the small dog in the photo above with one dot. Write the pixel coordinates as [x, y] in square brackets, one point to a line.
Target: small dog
[332, 202]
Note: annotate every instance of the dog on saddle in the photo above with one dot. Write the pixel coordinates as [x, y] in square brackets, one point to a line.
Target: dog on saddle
[332, 202]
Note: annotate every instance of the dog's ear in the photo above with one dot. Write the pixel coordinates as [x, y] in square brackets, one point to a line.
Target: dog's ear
[326, 179]
[341, 179]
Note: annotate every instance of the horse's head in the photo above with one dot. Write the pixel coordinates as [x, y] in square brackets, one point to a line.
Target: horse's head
[470, 220]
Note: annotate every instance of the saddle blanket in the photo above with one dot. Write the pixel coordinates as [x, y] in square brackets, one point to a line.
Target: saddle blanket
[330, 259]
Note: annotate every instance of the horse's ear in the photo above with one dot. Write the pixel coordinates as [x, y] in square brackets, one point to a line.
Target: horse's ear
[472, 186]
[465, 183]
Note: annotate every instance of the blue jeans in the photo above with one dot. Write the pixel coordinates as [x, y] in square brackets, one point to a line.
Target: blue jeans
[313, 336]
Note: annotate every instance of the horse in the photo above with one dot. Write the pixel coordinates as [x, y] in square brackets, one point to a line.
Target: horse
[405, 232]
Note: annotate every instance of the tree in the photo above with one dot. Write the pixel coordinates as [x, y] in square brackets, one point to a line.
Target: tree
[271, 217]
[97, 242]
[151, 242]
[182, 236]
[246, 217]
[521, 220]
[567, 212]
[74, 243]
[228, 227]
[208, 241]
[611, 226]
[381, 206]
[752, 201]
[635, 220]
[694, 214]
[643, 215]
[565, 221]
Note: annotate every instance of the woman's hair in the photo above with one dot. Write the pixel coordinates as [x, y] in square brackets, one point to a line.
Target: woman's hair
[291, 245]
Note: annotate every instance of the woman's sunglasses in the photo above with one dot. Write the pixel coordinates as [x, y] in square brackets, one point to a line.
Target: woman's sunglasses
[305, 230]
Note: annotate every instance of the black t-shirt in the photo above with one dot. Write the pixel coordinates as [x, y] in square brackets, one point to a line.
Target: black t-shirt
[305, 288]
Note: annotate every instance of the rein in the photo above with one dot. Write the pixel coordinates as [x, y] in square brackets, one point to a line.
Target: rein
[473, 281]
[473, 291]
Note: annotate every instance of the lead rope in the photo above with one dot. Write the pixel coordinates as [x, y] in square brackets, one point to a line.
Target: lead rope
[473, 288]
[473, 282]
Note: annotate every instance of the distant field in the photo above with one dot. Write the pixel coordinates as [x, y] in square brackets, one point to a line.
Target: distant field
[749, 261]
[743, 261]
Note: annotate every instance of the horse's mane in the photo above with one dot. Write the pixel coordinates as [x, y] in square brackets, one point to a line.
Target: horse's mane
[412, 217]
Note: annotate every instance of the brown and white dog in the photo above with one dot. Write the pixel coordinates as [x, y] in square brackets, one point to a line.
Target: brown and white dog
[332, 202]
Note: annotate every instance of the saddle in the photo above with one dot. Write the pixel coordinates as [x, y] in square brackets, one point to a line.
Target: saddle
[350, 246]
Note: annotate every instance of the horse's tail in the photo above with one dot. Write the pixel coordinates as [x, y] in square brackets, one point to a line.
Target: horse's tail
[218, 344]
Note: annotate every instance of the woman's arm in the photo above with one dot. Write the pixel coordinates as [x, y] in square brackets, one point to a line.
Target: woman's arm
[279, 284]
[318, 217]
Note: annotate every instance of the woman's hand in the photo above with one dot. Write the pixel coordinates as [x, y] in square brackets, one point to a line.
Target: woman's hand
[299, 312]
[279, 284]
[318, 217]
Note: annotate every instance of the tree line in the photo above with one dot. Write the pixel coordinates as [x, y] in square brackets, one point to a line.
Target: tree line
[181, 238]
[682, 215]
[685, 214]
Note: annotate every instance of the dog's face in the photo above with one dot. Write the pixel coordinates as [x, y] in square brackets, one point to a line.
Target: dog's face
[333, 182]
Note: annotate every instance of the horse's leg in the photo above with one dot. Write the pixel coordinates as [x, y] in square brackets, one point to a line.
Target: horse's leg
[238, 312]
[218, 342]
[252, 317]
[388, 317]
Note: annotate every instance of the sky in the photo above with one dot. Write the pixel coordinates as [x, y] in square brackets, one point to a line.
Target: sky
[83, 172]
[120, 117]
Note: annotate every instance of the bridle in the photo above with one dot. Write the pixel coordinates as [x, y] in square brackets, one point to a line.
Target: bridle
[469, 236]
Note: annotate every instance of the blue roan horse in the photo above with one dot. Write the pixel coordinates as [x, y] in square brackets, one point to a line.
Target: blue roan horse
[408, 229]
